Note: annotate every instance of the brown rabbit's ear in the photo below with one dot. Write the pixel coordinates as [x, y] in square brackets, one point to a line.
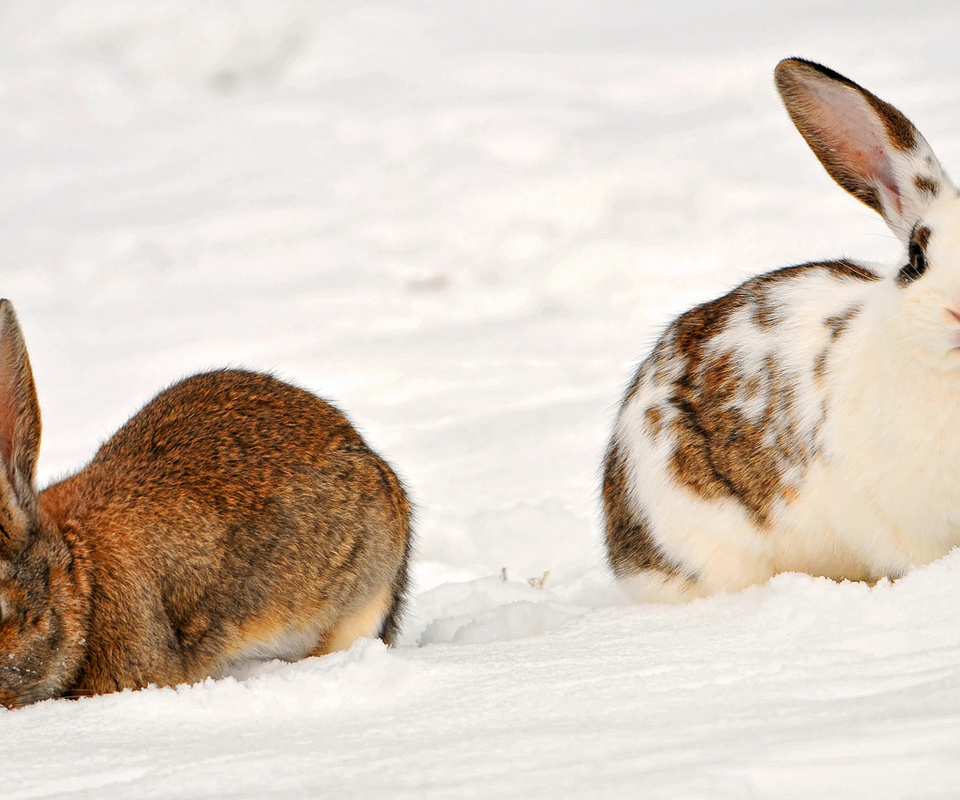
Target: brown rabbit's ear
[19, 431]
[868, 147]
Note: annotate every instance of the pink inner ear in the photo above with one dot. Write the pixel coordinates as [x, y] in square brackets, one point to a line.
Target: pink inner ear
[851, 130]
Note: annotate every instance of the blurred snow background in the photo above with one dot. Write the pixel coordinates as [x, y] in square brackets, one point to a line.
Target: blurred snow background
[464, 223]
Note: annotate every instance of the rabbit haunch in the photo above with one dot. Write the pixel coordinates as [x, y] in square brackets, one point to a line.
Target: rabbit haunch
[234, 517]
[806, 420]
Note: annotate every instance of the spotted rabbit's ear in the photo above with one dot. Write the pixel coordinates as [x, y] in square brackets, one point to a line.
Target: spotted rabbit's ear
[19, 435]
[868, 147]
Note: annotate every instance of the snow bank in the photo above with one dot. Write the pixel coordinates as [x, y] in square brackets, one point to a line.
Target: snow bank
[464, 223]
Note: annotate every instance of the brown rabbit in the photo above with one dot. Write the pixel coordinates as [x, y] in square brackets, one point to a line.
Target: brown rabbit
[234, 518]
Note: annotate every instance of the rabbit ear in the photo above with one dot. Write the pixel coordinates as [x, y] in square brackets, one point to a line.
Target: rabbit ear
[867, 146]
[19, 429]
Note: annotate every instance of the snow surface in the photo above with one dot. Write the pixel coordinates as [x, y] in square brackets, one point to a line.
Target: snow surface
[464, 223]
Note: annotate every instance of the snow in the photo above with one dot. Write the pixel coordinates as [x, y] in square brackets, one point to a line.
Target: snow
[464, 223]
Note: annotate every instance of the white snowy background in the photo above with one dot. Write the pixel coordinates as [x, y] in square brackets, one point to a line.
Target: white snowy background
[464, 223]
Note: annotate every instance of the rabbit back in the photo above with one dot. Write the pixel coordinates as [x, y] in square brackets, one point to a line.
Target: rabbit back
[720, 427]
[235, 517]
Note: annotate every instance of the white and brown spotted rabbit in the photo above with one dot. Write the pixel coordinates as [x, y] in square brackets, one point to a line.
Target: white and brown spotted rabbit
[809, 420]
[233, 518]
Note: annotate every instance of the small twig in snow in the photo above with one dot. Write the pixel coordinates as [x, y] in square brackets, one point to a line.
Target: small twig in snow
[537, 583]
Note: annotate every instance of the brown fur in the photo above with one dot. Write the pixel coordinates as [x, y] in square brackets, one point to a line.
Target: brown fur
[921, 236]
[231, 511]
[838, 324]
[927, 185]
[719, 451]
[654, 421]
[698, 325]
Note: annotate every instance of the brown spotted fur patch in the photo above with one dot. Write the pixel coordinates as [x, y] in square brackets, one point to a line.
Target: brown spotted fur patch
[790, 495]
[702, 322]
[630, 546]
[720, 452]
[838, 323]
[653, 421]
[820, 365]
[927, 185]
[921, 236]
[764, 314]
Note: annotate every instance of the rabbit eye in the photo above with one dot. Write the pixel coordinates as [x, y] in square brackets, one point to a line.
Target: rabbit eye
[917, 266]
[916, 252]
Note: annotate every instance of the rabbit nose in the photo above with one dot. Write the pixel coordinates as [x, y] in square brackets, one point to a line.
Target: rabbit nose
[954, 313]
